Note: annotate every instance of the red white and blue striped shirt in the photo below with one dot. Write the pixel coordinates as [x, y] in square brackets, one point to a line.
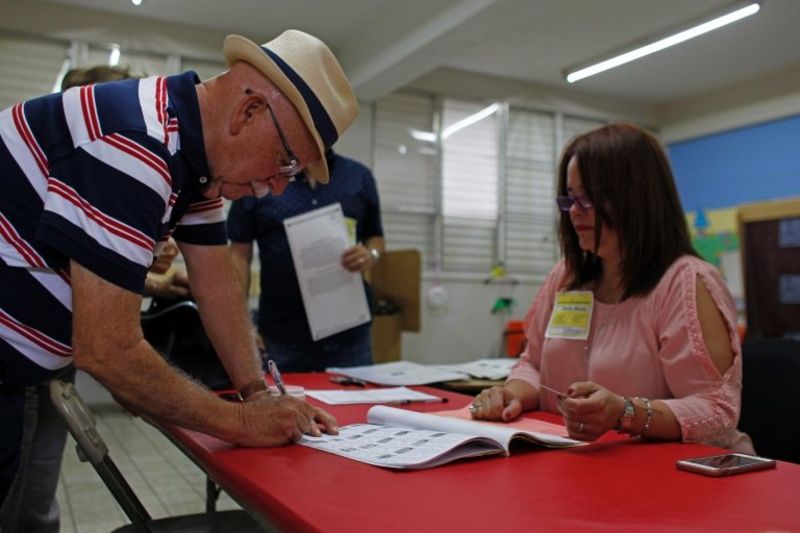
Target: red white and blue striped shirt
[103, 175]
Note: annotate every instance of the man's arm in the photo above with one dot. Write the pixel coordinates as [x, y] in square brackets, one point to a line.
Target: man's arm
[242, 257]
[216, 288]
[108, 343]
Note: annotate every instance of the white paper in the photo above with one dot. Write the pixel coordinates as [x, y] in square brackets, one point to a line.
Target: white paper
[399, 373]
[498, 368]
[395, 394]
[334, 298]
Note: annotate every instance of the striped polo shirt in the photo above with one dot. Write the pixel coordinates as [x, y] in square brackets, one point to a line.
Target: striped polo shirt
[103, 175]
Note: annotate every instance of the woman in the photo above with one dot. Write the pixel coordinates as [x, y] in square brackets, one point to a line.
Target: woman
[631, 330]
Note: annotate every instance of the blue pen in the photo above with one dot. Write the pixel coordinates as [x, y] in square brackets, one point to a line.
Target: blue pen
[276, 375]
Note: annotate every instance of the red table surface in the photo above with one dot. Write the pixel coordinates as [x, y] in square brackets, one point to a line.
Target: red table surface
[615, 484]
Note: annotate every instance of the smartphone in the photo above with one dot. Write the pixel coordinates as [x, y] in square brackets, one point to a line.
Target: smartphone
[725, 464]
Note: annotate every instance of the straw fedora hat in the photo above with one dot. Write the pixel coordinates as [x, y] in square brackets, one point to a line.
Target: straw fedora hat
[308, 74]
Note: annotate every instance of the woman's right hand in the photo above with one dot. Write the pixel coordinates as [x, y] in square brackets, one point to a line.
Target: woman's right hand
[496, 403]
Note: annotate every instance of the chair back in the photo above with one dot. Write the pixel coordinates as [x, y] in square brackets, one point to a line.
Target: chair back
[771, 397]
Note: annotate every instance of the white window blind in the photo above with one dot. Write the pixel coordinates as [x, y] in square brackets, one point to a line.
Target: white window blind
[30, 67]
[576, 125]
[470, 184]
[406, 169]
[530, 226]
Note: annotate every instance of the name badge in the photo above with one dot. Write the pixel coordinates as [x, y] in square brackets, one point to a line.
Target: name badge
[572, 316]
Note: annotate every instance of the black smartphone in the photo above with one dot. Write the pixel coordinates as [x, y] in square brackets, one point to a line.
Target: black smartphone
[725, 465]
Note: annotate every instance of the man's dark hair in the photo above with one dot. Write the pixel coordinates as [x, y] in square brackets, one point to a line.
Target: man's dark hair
[98, 74]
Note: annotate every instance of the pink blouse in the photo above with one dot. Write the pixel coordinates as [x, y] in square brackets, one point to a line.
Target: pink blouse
[650, 346]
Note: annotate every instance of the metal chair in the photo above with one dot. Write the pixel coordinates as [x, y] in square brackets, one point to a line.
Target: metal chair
[91, 447]
[771, 397]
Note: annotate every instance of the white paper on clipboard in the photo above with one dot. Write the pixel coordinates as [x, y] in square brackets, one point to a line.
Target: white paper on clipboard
[333, 297]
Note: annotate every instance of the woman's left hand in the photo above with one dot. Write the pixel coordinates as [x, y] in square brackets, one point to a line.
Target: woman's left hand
[590, 410]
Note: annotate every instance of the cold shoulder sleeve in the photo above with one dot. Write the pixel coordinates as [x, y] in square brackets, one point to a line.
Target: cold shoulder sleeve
[705, 402]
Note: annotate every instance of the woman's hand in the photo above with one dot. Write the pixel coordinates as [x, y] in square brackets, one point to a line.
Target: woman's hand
[590, 410]
[496, 403]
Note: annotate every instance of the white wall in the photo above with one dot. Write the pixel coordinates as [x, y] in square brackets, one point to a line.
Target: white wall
[769, 97]
[55, 21]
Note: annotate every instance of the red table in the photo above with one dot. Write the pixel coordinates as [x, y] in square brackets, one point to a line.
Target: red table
[616, 484]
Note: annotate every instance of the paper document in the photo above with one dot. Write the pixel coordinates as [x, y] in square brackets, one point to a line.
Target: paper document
[399, 373]
[395, 394]
[334, 298]
[398, 438]
[484, 368]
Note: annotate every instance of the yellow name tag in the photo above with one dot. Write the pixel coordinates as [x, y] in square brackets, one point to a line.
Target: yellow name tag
[572, 315]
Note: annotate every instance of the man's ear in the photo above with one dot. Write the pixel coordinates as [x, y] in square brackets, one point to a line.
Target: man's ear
[247, 111]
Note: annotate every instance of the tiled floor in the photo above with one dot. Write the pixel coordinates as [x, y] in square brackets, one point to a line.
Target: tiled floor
[166, 481]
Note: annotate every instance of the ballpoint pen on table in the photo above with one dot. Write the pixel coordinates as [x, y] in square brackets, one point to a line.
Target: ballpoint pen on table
[424, 400]
[276, 376]
[346, 380]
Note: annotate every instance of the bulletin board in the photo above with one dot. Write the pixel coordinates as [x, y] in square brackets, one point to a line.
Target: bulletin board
[769, 233]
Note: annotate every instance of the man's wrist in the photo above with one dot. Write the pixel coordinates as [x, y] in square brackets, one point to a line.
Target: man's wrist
[252, 388]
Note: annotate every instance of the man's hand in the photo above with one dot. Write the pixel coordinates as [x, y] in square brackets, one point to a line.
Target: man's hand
[164, 260]
[276, 420]
[174, 286]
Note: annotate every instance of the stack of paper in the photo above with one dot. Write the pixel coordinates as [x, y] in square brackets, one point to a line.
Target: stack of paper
[408, 373]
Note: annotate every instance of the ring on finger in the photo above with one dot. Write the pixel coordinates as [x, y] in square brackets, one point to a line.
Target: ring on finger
[474, 406]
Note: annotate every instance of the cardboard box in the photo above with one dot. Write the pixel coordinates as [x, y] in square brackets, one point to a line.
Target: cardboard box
[396, 277]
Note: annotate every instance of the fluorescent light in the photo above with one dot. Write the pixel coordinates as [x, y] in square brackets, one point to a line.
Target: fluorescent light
[470, 120]
[113, 59]
[429, 136]
[136, 2]
[661, 44]
[425, 136]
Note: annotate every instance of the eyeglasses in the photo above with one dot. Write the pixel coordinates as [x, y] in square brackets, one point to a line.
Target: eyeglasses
[292, 166]
[565, 203]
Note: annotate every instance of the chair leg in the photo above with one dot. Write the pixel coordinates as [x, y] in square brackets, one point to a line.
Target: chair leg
[212, 494]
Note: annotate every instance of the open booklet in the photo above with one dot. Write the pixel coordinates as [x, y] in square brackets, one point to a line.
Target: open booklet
[398, 438]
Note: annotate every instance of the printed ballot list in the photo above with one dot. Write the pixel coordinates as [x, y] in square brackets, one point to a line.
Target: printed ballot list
[333, 298]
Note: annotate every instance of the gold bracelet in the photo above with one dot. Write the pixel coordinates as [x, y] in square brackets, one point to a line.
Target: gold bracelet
[252, 388]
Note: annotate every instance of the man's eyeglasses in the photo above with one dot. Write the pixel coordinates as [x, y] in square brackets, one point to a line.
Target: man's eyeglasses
[565, 203]
[292, 166]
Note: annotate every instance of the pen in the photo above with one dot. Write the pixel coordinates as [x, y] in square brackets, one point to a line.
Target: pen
[557, 393]
[344, 380]
[426, 400]
[276, 376]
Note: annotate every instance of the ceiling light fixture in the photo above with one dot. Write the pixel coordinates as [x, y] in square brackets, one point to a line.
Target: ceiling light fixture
[136, 2]
[113, 58]
[574, 74]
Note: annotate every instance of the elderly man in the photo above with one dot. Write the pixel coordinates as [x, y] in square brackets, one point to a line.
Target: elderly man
[97, 178]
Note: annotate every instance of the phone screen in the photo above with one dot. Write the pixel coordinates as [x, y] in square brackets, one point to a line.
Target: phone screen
[727, 461]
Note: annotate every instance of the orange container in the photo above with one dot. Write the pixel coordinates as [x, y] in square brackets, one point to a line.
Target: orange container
[514, 336]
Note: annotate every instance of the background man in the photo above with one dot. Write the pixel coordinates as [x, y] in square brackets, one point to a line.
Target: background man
[282, 322]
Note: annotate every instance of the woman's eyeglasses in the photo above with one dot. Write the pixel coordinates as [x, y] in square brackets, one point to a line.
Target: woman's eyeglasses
[565, 203]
